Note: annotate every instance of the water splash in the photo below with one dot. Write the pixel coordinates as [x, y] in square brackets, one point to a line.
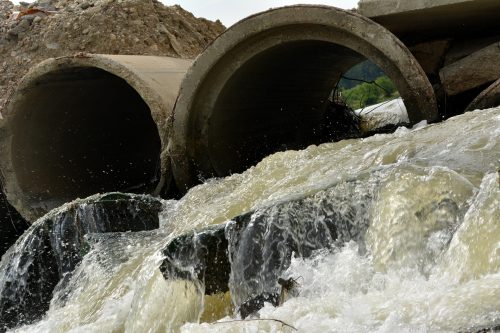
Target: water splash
[438, 181]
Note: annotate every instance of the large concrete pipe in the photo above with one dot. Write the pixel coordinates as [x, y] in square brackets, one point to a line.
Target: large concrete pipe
[263, 86]
[88, 124]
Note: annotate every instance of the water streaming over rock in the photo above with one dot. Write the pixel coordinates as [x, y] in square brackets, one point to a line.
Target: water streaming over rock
[393, 233]
[46, 255]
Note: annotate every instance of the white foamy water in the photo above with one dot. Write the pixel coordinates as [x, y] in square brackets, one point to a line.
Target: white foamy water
[429, 261]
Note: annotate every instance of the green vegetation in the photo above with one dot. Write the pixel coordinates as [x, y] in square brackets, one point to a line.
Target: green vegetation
[366, 71]
[365, 84]
[369, 93]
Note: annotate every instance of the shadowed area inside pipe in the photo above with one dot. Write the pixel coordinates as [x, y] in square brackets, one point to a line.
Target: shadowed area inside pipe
[81, 130]
[278, 100]
[270, 83]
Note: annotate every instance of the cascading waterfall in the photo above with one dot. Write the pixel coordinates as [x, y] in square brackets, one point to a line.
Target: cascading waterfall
[393, 233]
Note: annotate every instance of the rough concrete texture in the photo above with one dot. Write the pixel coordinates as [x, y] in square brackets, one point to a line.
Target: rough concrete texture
[65, 27]
[430, 55]
[111, 140]
[372, 8]
[472, 71]
[425, 20]
[262, 86]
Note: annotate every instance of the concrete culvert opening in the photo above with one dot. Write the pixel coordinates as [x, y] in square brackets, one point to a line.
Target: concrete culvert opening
[275, 101]
[264, 86]
[87, 124]
[82, 130]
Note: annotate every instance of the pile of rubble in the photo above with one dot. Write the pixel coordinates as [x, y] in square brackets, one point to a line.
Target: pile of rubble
[30, 33]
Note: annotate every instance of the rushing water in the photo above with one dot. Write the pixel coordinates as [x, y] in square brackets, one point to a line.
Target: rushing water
[420, 250]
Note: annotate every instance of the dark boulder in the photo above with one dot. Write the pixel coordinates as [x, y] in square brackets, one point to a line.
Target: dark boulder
[53, 246]
[12, 224]
[199, 256]
[249, 254]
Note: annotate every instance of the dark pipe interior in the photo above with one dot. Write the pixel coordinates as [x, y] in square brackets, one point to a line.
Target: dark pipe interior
[81, 131]
[275, 101]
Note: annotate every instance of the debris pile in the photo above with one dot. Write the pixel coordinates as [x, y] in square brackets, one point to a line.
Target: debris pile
[30, 33]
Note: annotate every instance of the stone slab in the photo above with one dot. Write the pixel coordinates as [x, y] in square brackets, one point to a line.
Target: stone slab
[415, 21]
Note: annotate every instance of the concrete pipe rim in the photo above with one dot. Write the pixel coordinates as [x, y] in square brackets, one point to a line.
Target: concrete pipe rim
[488, 98]
[381, 46]
[28, 206]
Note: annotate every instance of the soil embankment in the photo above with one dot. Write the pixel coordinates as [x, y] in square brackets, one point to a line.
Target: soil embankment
[54, 28]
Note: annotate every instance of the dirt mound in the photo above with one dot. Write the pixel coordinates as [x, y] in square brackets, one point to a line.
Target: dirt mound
[53, 28]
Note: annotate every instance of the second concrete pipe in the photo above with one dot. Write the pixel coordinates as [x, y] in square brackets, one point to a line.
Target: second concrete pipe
[263, 85]
[96, 123]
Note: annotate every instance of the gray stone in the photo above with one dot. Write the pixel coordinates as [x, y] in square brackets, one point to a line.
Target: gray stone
[86, 5]
[20, 29]
[472, 71]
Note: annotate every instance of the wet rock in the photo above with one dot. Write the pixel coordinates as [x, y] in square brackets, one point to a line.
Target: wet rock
[489, 329]
[249, 254]
[200, 256]
[12, 225]
[251, 306]
[55, 244]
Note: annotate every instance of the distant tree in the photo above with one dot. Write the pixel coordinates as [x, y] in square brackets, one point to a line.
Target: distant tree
[368, 93]
[364, 71]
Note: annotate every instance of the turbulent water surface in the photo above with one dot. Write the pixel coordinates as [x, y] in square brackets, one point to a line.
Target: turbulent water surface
[425, 256]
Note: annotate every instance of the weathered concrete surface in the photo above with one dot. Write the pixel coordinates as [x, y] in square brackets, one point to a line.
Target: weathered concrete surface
[425, 20]
[488, 98]
[372, 8]
[443, 33]
[430, 55]
[476, 69]
[88, 124]
[262, 86]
